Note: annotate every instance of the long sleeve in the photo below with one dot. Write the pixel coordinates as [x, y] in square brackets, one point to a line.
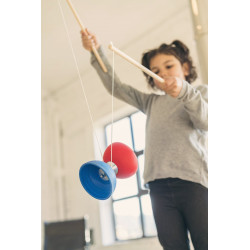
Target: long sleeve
[195, 101]
[175, 128]
[122, 91]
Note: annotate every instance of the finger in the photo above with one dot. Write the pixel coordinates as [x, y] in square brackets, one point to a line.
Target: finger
[90, 34]
[86, 34]
[89, 37]
[172, 90]
[87, 31]
[86, 38]
[167, 87]
[161, 85]
[84, 31]
[95, 40]
[171, 86]
[86, 43]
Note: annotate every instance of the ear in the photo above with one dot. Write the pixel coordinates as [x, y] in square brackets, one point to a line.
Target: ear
[185, 68]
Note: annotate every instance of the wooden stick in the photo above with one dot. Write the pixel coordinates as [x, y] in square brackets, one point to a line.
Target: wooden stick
[129, 59]
[84, 30]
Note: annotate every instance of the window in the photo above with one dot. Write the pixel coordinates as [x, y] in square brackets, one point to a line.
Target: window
[132, 212]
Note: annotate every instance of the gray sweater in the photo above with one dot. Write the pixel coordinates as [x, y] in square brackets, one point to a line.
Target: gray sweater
[176, 128]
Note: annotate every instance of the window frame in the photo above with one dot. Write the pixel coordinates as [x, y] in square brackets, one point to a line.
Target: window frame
[141, 191]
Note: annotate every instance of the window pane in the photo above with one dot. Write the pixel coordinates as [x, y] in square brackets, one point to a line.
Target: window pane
[121, 132]
[149, 223]
[139, 123]
[127, 216]
[141, 168]
[125, 187]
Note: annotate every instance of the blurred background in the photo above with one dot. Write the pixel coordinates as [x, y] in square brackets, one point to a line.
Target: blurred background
[125, 220]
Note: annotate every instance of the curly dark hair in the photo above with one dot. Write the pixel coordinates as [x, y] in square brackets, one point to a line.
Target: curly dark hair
[177, 49]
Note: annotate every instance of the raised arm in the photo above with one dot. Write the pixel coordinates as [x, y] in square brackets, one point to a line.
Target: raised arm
[122, 91]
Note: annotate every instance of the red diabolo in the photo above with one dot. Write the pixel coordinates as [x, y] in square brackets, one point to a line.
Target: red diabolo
[123, 157]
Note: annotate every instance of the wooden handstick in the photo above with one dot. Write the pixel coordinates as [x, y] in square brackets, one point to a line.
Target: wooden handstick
[129, 59]
[84, 30]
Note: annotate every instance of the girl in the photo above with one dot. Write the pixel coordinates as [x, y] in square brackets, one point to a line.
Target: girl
[175, 151]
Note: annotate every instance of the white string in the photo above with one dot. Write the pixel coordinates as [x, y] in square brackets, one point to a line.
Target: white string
[112, 100]
[78, 71]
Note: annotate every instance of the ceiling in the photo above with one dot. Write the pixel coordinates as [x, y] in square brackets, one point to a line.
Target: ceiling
[121, 22]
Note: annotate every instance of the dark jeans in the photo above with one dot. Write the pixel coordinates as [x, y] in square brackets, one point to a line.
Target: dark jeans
[180, 206]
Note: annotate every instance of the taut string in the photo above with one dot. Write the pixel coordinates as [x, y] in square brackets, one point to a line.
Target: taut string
[78, 71]
[112, 100]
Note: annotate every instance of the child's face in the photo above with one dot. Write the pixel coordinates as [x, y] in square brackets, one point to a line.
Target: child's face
[167, 66]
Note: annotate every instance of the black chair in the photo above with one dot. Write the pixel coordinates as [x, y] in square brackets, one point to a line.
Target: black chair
[65, 235]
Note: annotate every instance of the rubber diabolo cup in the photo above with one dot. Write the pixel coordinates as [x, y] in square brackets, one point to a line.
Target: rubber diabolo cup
[123, 157]
[98, 179]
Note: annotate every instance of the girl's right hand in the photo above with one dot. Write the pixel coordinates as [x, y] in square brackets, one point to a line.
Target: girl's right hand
[89, 40]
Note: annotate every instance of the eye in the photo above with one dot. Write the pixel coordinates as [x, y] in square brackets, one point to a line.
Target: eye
[169, 66]
[156, 72]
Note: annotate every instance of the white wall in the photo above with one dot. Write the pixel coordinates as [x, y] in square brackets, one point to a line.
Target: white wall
[67, 135]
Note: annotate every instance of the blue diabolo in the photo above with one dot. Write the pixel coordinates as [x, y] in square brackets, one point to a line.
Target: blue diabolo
[98, 179]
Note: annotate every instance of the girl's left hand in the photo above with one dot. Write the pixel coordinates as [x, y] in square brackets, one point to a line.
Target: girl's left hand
[172, 86]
